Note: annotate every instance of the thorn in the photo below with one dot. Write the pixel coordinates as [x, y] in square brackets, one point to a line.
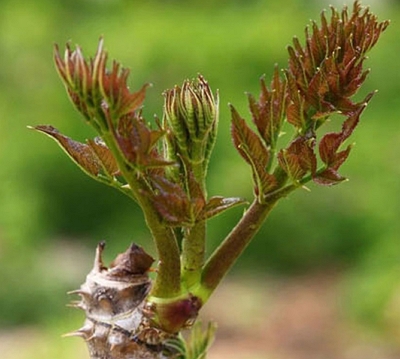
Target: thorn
[90, 338]
[114, 345]
[76, 304]
[72, 334]
[79, 292]
[84, 332]
[76, 291]
[76, 333]
[98, 261]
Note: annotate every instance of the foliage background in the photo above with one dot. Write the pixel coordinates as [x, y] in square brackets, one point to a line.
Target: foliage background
[51, 215]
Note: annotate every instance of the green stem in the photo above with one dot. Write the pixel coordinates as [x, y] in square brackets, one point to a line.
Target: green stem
[167, 283]
[193, 251]
[194, 239]
[237, 240]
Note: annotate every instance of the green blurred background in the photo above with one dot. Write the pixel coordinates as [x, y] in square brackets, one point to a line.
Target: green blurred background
[52, 215]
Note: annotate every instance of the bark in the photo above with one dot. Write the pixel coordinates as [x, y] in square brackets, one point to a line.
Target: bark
[118, 324]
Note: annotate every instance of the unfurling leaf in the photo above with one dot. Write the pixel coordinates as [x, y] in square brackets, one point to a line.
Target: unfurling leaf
[101, 95]
[197, 345]
[219, 204]
[177, 205]
[120, 100]
[269, 111]
[246, 141]
[251, 148]
[295, 111]
[82, 154]
[196, 195]
[171, 202]
[138, 142]
[328, 148]
[105, 156]
[330, 153]
[200, 341]
[298, 159]
[328, 177]
[325, 73]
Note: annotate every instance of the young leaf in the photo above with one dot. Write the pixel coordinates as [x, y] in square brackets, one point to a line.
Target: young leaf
[119, 99]
[171, 202]
[200, 341]
[247, 143]
[254, 152]
[329, 149]
[298, 159]
[269, 111]
[138, 142]
[196, 194]
[105, 156]
[325, 73]
[219, 204]
[82, 154]
[196, 346]
[101, 95]
[328, 177]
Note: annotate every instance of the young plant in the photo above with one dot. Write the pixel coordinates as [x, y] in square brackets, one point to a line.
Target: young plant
[163, 169]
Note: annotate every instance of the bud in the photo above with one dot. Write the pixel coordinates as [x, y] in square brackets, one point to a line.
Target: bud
[171, 315]
[191, 118]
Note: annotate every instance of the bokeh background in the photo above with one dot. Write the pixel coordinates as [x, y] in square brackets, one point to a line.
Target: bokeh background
[321, 280]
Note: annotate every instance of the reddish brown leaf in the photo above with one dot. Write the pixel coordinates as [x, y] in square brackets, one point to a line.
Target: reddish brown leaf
[104, 155]
[247, 143]
[117, 94]
[254, 152]
[265, 181]
[269, 111]
[328, 146]
[82, 154]
[171, 202]
[138, 142]
[331, 142]
[328, 70]
[290, 163]
[298, 159]
[328, 177]
[94, 89]
[196, 194]
[218, 204]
